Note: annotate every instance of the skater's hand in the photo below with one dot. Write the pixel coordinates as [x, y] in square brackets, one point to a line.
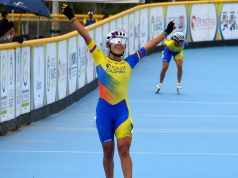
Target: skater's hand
[170, 28]
[67, 11]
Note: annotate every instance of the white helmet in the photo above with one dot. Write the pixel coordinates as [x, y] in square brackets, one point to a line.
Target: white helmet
[119, 34]
[178, 36]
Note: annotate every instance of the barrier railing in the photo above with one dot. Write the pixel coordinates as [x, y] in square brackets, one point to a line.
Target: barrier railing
[40, 73]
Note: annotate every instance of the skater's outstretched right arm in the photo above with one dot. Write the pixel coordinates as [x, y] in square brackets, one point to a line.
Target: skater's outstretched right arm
[67, 11]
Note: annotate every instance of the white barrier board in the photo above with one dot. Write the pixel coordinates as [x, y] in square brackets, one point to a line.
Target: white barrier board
[72, 65]
[18, 82]
[26, 79]
[62, 69]
[51, 73]
[38, 76]
[4, 85]
[11, 84]
[82, 49]
[179, 16]
[156, 22]
[229, 21]
[203, 22]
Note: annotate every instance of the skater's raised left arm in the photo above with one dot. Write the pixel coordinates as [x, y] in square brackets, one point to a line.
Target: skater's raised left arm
[155, 41]
[67, 11]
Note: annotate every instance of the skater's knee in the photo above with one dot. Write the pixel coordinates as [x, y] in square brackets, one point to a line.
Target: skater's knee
[165, 67]
[123, 150]
[108, 150]
[179, 63]
[108, 154]
[180, 69]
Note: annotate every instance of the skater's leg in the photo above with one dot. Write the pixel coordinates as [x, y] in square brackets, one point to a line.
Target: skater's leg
[162, 75]
[179, 74]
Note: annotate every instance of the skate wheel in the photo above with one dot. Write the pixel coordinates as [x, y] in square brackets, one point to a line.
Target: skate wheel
[157, 91]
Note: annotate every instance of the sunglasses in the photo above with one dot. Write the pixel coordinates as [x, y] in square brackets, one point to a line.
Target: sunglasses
[118, 41]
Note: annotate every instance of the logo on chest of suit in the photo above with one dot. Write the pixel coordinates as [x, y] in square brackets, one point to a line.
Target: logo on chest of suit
[115, 69]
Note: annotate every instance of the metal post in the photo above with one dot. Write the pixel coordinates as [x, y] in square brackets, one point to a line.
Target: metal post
[55, 27]
[94, 7]
[38, 28]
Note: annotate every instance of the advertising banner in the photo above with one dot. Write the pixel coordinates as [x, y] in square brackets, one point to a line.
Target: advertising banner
[203, 22]
[119, 24]
[137, 30]
[11, 84]
[62, 69]
[18, 82]
[105, 31]
[72, 65]
[38, 76]
[229, 21]
[99, 38]
[51, 72]
[82, 49]
[125, 27]
[4, 85]
[179, 16]
[143, 27]
[113, 25]
[25, 80]
[131, 35]
[156, 21]
[90, 63]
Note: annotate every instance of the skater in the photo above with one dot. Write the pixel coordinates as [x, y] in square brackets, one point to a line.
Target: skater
[113, 115]
[173, 47]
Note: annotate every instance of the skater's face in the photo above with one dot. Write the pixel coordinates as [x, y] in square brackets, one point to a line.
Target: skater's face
[178, 43]
[118, 46]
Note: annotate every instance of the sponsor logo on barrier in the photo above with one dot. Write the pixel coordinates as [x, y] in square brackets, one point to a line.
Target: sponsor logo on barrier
[143, 28]
[72, 65]
[11, 69]
[199, 23]
[82, 60]
[203, 22]
[229, 21]
[25, 68]
[156, 25]
[4, 72]
[38, 81]
[179, 22]
[25, 86]
[18, 78]
[178, 14]
[48, 74]
[62, 70]
[53, 72]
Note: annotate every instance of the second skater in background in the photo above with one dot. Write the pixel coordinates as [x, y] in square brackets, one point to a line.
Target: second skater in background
[173, 47]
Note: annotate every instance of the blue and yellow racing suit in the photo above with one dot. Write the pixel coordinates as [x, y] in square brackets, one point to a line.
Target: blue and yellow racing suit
[89, 21]
[171, 50]
[113, 114]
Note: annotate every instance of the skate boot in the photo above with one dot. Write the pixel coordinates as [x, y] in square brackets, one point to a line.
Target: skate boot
[178, 88]
[158, 87]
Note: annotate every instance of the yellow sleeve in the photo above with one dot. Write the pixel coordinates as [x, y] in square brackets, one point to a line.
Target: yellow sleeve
[98, 55]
